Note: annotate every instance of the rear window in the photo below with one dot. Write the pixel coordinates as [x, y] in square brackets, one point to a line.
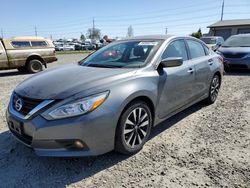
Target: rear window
[38, 43]
[20, 44]
[196, 49]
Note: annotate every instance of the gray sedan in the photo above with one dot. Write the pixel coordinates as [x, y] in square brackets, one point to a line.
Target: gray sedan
[112, 99]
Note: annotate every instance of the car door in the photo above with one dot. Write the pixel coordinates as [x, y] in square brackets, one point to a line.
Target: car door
[201, 62]
[176, 83]
[3, 57]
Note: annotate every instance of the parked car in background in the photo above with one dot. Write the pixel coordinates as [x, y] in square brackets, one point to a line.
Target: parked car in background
[236, 52]
[213, 42]
[114, 97]
[26, 53]
[59, 47]
[89, 46]
[68, 47]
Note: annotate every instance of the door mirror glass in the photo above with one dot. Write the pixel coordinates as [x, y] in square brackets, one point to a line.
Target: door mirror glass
[171, 62]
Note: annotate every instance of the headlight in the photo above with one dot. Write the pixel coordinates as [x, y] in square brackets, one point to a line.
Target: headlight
[79, 107]
[247, 56]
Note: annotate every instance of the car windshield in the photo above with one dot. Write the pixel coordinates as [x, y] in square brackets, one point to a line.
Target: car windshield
[208, 40]
[123, 54]
[237, 41]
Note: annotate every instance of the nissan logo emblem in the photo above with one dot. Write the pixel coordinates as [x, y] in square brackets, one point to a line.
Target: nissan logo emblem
[18, 104]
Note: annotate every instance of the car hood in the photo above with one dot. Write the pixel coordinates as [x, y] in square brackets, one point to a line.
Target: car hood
[234, 49]
[66, 81]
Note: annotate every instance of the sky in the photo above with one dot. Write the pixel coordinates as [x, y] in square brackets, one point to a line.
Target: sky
[70, 18]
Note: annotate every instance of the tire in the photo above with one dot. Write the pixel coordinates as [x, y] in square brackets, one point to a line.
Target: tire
[137, 130]
[214, 89]
[35, 66]
[22, 69]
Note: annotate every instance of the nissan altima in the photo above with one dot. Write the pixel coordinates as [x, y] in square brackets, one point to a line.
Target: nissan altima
[113, 98]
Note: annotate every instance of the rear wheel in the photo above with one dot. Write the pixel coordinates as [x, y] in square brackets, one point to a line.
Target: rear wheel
[214, 89]
[34, 66]
[134, 128]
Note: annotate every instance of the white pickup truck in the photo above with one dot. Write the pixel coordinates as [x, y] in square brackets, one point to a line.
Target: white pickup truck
[27, 54]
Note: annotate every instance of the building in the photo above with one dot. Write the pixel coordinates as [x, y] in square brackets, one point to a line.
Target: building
[226, 28]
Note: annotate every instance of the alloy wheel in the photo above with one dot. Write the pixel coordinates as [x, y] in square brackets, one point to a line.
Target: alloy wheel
[215, 86]
[136, 127]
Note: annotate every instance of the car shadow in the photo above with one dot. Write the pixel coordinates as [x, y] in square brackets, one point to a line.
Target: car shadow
[18, 162]
[12, 73]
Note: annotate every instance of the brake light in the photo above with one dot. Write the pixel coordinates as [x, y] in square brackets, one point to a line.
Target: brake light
[221, 60]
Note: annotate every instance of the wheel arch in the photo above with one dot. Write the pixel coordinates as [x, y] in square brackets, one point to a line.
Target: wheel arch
[218, 74]
[145, 98]
[33, 57]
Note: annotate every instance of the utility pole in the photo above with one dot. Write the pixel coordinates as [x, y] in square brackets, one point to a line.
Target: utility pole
[2, 33]
[222, 10]
[35, 31]
[93, 29]
[166, 30]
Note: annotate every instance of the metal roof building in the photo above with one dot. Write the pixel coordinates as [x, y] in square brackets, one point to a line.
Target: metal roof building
[226, 28]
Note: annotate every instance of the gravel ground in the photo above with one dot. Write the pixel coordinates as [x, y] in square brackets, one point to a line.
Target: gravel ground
[204, 146]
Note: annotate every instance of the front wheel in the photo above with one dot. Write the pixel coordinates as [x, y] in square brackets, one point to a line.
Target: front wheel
[214, 89]
[134, 128]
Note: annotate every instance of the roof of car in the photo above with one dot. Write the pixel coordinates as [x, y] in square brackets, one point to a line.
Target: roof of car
[149, 37]
[211, 37]
[27, 38]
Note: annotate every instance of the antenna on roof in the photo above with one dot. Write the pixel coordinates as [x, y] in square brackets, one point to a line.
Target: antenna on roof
[222, 10]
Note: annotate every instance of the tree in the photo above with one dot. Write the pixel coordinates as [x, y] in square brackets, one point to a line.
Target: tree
[94, 33]
[130, 32]
[82, 38]
[197, 34]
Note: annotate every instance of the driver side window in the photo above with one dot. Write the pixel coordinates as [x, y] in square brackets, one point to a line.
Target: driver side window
[176, 49]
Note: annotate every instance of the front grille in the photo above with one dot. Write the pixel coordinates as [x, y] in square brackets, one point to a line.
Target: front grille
[28, 104]
[234, 56]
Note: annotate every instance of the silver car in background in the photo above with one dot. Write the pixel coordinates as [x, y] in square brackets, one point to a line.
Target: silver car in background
[113, 98]
[213, 42]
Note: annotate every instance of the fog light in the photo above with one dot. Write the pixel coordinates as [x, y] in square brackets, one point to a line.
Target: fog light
[79, 144]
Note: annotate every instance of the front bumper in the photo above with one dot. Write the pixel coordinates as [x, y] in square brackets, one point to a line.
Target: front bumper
[236, 63]
[96, 131]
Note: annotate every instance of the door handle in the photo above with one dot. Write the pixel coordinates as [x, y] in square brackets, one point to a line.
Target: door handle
[191, 71]
[210, 62]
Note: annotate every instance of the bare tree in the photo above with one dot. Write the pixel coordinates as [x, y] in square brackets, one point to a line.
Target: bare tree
[94, 33]
[82, 38]
[130, 32]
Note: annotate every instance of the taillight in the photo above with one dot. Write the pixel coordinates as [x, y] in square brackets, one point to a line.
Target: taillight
[221, 60]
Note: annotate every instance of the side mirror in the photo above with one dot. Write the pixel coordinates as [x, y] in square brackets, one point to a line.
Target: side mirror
[172, 62]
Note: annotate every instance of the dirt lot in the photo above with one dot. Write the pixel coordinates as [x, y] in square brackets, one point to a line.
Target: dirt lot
[204, 146]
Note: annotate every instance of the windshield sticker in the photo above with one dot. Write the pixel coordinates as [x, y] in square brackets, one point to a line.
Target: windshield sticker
[147, 43]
